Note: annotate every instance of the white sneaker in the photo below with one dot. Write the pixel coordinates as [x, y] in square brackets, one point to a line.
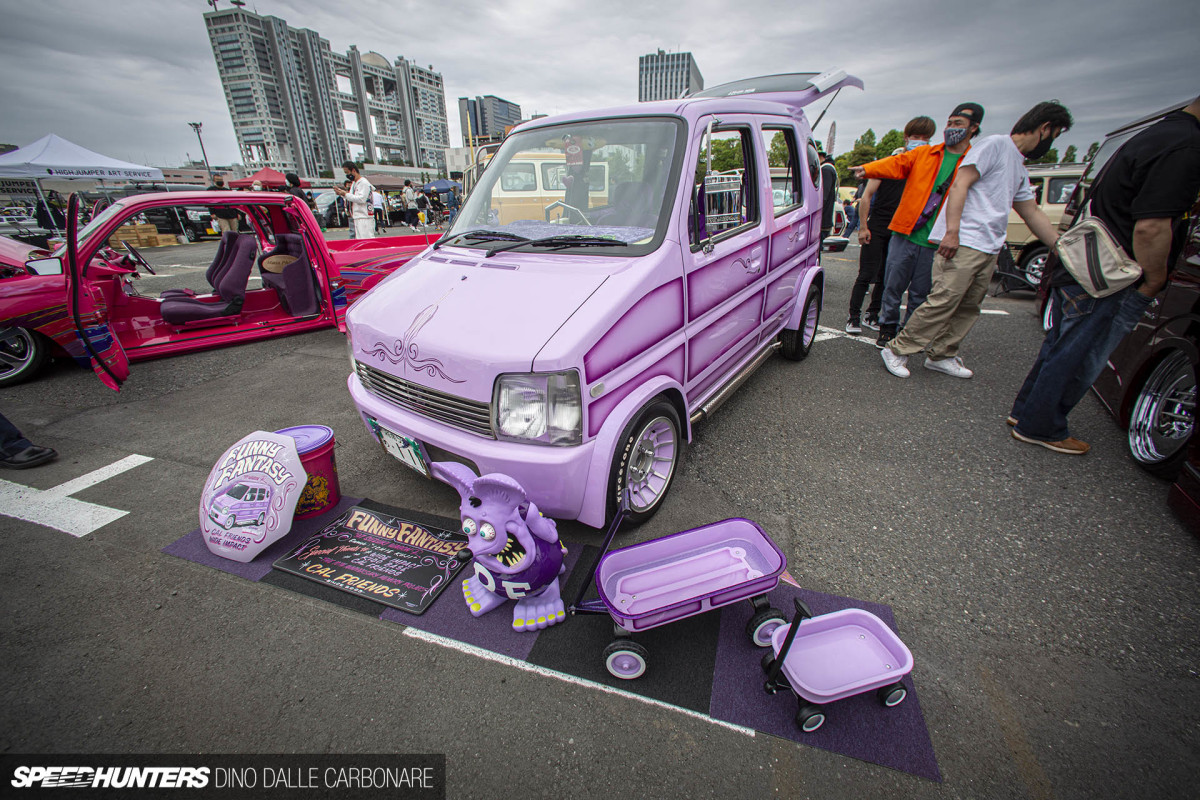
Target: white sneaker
[894, 363]
[950, 366]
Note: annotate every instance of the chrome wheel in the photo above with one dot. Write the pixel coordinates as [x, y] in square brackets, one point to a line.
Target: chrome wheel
[1035, 265]
[652, 463]
[21, 353]
[1164, 414]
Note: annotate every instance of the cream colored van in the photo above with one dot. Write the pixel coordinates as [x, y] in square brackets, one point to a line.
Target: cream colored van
[1052, 186]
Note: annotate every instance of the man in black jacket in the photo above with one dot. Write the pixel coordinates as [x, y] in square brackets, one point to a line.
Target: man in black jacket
[1147, 188]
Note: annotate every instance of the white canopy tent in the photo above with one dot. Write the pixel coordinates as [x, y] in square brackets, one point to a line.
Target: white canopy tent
[55, 158]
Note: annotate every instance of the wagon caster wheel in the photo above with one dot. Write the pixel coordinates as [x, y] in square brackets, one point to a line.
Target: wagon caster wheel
[809, 717]
[625, 659]
[768, 661]
[892, 696]
[763, 624]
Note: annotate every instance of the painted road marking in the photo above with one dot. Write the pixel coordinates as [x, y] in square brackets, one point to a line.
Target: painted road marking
[525, 666]
[996, 311]
[54, 508]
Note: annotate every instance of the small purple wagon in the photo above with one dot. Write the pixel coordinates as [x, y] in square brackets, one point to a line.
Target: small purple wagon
[663, 580]
[835, 656]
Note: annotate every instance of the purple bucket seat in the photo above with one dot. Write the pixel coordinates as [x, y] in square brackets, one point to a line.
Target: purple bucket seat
[231, 287]
[215, 270]
[294, 284]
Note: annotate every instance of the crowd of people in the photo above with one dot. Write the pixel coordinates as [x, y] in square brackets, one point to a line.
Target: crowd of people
[932, 220]
[367, 208]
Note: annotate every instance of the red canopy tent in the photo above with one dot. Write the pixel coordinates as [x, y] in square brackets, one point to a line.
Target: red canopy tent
[269, 178]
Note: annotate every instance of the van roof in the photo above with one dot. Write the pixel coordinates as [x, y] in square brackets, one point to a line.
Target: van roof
[783, 94]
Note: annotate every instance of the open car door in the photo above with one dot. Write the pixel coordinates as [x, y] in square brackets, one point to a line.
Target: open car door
[89, 313]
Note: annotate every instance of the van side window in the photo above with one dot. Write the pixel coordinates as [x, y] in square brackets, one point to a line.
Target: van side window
[730, 194]
[784, 161]
[518, 178]
[814, 163]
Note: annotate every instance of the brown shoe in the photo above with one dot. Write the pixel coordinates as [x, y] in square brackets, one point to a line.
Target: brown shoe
[1011, 422]
[1071, 446]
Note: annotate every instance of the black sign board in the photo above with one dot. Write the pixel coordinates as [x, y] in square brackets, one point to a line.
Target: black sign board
[382, 558]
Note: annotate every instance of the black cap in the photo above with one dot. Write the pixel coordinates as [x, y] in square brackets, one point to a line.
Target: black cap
[972, 111]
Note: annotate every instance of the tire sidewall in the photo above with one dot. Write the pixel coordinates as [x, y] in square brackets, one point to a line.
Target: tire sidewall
[658, 407]
[794, 346]
[39, 352]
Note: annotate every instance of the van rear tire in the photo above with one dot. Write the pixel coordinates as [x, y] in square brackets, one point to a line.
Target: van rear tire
[797, 344]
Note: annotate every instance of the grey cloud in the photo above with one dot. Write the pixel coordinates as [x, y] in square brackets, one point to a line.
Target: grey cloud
[126, 84]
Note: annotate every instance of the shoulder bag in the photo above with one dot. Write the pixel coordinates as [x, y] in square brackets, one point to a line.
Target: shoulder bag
[1091, 254]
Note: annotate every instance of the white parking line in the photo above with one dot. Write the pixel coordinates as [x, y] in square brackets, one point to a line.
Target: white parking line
[525, 666]
[55, 509]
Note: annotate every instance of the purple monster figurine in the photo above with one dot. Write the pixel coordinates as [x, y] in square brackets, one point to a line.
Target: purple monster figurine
[516, 549]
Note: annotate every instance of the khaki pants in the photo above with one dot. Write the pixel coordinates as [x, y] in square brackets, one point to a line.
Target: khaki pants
[949, 312]
[224, 225]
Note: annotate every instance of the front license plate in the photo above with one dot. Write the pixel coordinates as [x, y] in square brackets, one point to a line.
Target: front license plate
[404, 449]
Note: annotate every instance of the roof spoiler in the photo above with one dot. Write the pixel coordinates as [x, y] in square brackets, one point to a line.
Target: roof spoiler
[791, 88]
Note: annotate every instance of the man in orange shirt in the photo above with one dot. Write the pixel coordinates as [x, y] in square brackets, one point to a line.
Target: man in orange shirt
[928, 173]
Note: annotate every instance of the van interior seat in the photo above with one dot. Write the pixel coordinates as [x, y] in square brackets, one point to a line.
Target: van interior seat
[295, 284]
[231, 288]
[216, 269]
[629, 204]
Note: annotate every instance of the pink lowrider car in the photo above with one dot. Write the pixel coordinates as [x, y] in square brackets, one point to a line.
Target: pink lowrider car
[98, 316]
[572, 340]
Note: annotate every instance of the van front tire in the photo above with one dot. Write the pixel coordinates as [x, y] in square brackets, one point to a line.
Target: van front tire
[648, 454]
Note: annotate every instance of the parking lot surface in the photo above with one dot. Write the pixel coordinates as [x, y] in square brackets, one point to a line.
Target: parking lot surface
[1050, 601]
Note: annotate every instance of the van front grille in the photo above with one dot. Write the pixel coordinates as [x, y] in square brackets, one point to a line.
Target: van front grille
[457, 412]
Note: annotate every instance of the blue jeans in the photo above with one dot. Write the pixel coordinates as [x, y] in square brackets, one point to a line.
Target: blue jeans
[908, 267]
[1084, 330]
[11, 440]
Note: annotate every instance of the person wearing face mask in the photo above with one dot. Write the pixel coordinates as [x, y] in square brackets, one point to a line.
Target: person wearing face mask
[928, 173]
[358, 196]
[1141, 195]
[226, 217]
[875, 210]
[970, 231]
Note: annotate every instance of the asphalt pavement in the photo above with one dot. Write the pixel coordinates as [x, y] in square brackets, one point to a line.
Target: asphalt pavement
[1050, 601]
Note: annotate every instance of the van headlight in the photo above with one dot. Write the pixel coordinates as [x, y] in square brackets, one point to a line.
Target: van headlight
[540, 408]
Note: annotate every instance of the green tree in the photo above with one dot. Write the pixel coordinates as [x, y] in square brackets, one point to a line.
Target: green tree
[1051, 157]
[1091, 151]
[890, 141]
[1070, 154]
[727, 154]
[778, 154]
[868, 139]
[325, 173]
[8, 148]
[863, 152]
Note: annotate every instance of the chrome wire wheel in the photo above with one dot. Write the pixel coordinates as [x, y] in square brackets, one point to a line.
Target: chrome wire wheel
[1164, 413]
[652, 463]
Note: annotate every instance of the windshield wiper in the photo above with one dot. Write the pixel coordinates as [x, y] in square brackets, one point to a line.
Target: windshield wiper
[483, 236]
[560, 241]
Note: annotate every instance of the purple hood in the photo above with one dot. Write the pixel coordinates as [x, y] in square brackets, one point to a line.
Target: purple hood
[453, 322]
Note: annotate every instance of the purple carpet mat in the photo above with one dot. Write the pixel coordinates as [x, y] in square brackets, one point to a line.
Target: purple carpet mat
[493, 631]
[859, 727]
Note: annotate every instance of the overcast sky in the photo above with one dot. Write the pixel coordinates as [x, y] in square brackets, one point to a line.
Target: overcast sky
[125, 77]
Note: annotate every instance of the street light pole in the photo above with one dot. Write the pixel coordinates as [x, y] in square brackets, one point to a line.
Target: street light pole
[196, 126]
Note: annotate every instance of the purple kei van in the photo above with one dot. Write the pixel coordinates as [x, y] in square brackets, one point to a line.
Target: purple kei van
[244, 503]
[612, 278]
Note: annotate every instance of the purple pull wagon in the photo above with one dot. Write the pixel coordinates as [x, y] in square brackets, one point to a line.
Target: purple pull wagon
[664, 580]
[835, 656]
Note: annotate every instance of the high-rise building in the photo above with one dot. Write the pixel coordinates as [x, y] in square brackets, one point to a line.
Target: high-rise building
[297, 105]
[665, 76]
[486, 118]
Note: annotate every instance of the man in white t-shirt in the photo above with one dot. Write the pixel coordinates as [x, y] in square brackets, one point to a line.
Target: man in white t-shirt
[410, 204]
[970, 231]
[358, 197]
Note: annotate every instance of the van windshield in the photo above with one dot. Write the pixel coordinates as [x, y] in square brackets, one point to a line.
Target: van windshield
[595, 180]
